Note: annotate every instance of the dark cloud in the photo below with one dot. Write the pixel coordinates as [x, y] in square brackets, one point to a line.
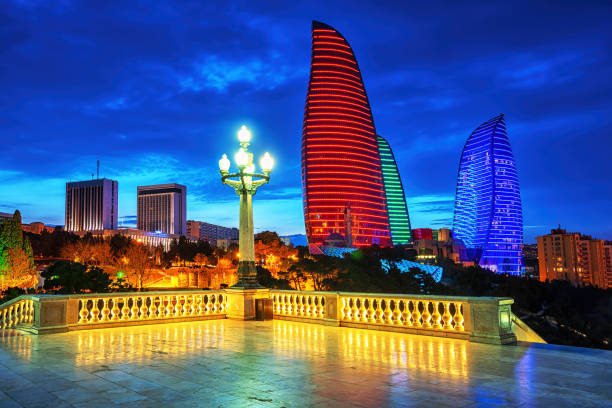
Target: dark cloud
[156, 91]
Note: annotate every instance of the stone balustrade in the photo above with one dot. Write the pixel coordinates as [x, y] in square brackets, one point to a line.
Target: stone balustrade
[17, 312]
[488, 320]
[59, 313]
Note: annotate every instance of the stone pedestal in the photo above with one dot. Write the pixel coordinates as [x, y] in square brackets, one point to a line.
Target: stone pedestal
[241, 302]
[490, 320]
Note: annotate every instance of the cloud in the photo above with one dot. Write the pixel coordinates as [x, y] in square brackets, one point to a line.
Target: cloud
[219, 74]
[431, 210]
[532, 71]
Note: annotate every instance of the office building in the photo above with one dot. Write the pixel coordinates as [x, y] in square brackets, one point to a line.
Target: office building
[91, 205]
[576, 258]
[162, 208]
[341, 164]
[488, 215]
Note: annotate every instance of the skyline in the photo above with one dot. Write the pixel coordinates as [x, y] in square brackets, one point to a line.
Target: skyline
[160, 95]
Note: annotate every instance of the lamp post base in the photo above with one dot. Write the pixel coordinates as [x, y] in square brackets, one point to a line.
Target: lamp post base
[242, 302]
[247, 276]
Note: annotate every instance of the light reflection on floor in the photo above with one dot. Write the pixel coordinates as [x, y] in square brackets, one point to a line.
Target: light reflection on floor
[280, 363]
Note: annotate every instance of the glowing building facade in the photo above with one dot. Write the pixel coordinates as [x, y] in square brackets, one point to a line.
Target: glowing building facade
[399, 220]
[91, 205]
[488, 214]
[341, 164]
[162, 208]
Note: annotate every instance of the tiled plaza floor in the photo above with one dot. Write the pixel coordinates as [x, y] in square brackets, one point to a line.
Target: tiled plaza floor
[284, 364]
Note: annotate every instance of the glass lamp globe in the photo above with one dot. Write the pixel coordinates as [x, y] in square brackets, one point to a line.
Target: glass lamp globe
[250, 169]
[224, 163]
[244, 135]
[266, 162]
[242, 158]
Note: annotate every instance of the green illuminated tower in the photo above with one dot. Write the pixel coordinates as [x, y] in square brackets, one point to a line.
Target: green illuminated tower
[396, 202]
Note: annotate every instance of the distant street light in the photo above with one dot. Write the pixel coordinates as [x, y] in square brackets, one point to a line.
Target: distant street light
[245, 183]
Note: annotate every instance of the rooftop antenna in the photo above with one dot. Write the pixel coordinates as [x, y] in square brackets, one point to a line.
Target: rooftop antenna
[98, 169]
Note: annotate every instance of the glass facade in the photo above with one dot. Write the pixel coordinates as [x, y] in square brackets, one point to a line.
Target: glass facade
[341, 165]
[488, 214]
[399, 221]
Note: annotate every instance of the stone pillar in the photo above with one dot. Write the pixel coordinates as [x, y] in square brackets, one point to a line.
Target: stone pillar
[247, 273]
[490, 320]
[241, 302]
[333, 308]
[53, 314]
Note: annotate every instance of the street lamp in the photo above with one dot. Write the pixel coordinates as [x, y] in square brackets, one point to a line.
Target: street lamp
[245, 183]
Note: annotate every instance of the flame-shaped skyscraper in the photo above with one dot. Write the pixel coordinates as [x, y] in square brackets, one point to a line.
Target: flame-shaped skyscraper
[488, 213]
[341, 161]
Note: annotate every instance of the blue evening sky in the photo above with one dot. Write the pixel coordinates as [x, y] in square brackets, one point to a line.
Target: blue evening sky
[156, 91]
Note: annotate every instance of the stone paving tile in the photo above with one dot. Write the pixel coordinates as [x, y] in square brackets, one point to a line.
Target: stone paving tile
[223, 363]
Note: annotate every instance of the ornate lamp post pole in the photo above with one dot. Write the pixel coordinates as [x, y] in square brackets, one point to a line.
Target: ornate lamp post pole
[245, 183]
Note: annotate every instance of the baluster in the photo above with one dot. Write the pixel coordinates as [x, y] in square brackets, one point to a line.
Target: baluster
[3, 314]
[223, 303]
[175, 306]
[416, 314]
[167, 307]
[458, 317]
[31, 304]
[346, 310]
[362, 311]
[447, 317]
[215, 303]
[134, 311]
[83, 313]
[10, 317]
[144, 309]
[426, 315]
[20, 312]
[155, 309]
[183, 305]
[115, 311]
[95, 311]
[105, 310]
[436, 316]
[198, 300]
[125, 310]
[407, 313]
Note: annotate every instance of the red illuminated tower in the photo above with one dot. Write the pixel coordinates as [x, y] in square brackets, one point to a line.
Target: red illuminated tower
[341, 164]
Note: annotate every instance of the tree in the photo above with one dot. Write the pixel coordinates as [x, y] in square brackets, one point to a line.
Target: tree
[16, 260]
[21, 271]
[73, 277]
[139, 263]
[201, 260]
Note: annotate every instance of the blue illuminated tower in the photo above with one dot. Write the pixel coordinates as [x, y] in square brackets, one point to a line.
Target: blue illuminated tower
[488, 213]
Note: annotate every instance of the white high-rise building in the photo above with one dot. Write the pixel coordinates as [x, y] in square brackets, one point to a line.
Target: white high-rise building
[91, 205]
[162, 208]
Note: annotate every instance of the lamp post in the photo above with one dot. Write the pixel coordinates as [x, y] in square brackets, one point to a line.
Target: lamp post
[245, 183]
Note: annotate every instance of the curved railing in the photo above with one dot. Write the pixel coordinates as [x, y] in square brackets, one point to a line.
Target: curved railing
[19, 311]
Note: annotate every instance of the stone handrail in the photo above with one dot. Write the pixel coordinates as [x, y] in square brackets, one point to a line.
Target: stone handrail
[524, 332]
[479, 319]
[59, 313]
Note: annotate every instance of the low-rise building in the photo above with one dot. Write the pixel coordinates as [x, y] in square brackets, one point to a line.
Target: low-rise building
[212, 233]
